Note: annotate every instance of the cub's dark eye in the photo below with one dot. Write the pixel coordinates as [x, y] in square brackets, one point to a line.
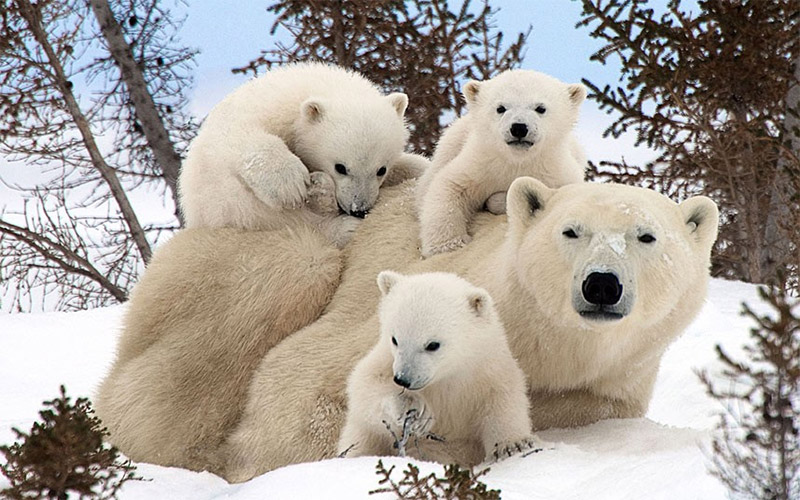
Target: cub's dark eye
[541, 109]
[432, 346]
[647, 238]
[394, 341]
[340, 168]
[381, 171]
[501, 110]
[570, 233]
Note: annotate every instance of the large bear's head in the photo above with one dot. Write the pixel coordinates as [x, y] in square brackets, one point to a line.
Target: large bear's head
[607, 256]
[435, 325]
[520, 111]
[356, 140]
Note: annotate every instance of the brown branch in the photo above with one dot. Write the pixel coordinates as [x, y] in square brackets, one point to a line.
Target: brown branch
[30, 14]
[145, 108]
[41, 245]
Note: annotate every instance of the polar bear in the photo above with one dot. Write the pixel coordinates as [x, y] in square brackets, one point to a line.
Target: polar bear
[519, 124]
[201, 320]
[296, 144]
[441, 367]
[180, 355]
[591, 281]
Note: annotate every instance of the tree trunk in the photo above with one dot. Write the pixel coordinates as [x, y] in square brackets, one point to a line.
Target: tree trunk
[137, 233]
[776, 252]
[145, 108]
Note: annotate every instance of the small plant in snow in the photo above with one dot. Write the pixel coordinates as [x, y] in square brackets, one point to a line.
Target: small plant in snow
[756, 452]
[63, 456]
[455, 484]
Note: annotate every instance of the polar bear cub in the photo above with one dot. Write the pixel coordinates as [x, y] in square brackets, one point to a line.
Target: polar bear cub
[442, 367]
[299, 142]
[519, 124]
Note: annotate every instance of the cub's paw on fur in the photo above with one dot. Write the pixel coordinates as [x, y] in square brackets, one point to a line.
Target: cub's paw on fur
[321, 197]
[447, 246]
[342, 229]
[278, 182]
[508, 449]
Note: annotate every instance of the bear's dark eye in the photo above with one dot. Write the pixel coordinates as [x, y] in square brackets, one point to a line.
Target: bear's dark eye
[394, 341]
[541, 109]
[432, 346]
[501, 110]
[647, 238]
[340, 168]
[570, 233]
[381, 171]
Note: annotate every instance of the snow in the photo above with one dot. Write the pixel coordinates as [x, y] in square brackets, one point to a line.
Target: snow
[662, 456]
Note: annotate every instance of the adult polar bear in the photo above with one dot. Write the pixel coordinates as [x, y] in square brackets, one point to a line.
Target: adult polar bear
[579, 370]
[592, 283]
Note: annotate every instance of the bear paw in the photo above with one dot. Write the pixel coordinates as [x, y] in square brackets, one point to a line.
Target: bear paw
[405, 416]
[448, 246]
[342, 230]
[279, 184]
[321, 197]
[496, 203]
[508, 449]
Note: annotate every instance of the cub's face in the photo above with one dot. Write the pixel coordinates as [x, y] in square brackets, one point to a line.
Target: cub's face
[597, 256]
[522, 111]
[434, 324]
[356, 146]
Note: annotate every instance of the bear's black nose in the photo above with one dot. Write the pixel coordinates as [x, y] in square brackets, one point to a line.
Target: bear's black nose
[602, 289]
[519, 130]
[359, 213]
[401, 382]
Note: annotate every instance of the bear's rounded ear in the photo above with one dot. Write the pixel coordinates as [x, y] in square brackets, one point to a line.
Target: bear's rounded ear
[526, 198]
[470, 91]
[701, 215]
[399, 102]
[312, 110]
[577, 93]
[479, 302]
[387, 279]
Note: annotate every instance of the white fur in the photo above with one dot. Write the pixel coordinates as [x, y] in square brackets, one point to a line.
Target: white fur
[469, 390]
[249, 165]
[474, 159]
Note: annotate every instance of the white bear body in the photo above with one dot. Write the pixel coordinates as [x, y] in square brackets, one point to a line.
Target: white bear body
[518, 125]
[582, 362]
[443, 355]
[249, 166]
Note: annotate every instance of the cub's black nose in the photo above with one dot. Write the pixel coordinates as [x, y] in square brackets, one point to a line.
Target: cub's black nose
[359, 213]
[602, 289]
[401, 382]
[519, 130]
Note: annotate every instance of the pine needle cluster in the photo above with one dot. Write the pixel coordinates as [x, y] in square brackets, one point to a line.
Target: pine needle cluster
[756, 452]
[63, 456]
[455, 484]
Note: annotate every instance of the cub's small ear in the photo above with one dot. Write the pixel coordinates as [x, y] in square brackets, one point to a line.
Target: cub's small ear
[577, 93]
[479, 302]
[525, 200]
[312, 110]
[701, 215]
[470, 91]
[399, 102]
[387, 279]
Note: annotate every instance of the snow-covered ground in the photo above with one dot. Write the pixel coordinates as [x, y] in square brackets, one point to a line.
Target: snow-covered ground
[661, 456]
